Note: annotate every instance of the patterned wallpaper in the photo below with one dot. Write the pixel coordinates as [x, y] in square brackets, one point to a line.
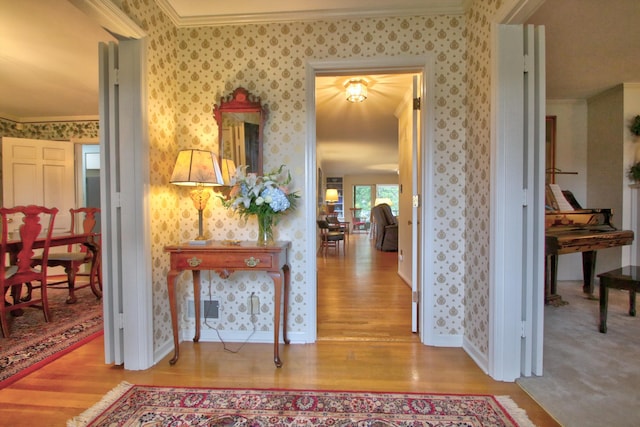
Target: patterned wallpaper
[478, 173]
[168, 205]
[190, 69]
[54, 131]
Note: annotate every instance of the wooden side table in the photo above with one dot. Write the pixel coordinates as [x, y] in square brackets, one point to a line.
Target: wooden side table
[225, 258]
[622, 278]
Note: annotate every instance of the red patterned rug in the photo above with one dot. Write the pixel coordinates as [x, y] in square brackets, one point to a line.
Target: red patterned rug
[137, 405]
[34, 343]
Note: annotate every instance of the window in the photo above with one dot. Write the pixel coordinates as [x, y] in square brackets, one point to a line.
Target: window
[362, 199]
[389, 194]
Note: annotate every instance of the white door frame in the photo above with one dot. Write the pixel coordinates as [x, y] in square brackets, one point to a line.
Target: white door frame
[133, 252]
[423, 64]
[416, 192]
[506, 300]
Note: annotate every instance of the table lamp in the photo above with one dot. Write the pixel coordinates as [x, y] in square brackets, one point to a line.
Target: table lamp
[199, 169]
[331, 197]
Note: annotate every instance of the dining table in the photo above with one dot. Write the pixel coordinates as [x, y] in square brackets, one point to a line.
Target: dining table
[90, 240]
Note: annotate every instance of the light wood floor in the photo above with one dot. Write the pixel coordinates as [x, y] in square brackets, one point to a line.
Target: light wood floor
[363, 344]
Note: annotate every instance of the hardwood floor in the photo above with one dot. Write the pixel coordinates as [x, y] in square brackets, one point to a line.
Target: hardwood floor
[364, 343]
[361, 297]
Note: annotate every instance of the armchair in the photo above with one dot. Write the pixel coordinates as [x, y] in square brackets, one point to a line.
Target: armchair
[386, 228]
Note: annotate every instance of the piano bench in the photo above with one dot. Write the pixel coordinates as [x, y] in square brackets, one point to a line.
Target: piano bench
[626, 278]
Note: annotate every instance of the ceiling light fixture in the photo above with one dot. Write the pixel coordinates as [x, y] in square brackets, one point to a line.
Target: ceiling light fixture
[356, 90]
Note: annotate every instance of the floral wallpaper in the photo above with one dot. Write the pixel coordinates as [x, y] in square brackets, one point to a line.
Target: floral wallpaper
[54, 131]
[478, 174]
[189, 69]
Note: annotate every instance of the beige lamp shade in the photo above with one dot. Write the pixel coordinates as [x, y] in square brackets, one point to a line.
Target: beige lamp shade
[331, 196]
[196, 167]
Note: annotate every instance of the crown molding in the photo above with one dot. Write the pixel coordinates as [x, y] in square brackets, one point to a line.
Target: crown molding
[430, 7]
[516, 11]
[110, 17]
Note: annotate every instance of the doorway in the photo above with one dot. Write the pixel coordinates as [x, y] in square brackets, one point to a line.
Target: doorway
[345, 149]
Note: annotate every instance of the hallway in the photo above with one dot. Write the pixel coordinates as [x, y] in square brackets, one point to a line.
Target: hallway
[360, 295]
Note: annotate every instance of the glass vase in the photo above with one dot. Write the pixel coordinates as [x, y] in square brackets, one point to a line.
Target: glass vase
[265, 230]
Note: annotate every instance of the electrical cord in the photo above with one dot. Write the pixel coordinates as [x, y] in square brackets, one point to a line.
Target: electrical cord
[224, 344]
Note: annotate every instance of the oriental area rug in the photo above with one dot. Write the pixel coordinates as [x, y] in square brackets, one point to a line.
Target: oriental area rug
[139, 405]
[33, 342]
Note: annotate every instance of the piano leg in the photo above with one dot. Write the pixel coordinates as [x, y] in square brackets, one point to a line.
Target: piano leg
[551, 282]
[588, 271]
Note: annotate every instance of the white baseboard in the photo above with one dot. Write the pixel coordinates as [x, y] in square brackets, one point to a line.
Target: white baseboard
[446, 341]
[481, 359]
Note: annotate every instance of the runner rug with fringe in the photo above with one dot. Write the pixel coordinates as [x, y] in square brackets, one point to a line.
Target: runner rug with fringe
[34, 343]
[140, 405]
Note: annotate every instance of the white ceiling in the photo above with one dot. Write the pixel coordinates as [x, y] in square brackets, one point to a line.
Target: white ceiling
[48, 59]
[592, 45]
[361, 138]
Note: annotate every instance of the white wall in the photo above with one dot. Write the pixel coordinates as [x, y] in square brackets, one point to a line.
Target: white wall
[605, 177]
[571, 156]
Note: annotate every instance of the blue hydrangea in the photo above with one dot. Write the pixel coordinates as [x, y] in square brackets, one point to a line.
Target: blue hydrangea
[276, 199]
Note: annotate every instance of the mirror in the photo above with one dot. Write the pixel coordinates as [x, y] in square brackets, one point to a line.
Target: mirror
[240, 119]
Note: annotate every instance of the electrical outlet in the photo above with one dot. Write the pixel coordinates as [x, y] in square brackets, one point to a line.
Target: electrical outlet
[254, 304]
[208, 309]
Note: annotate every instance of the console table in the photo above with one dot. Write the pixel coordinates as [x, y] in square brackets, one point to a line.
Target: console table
[224, 258]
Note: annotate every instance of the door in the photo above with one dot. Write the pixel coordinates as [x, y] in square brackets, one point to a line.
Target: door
[415, 204]
[39, 172]
[516, 317]
[126, 246]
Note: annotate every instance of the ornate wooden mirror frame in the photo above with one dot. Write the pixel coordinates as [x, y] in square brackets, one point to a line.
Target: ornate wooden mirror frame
[241, 118]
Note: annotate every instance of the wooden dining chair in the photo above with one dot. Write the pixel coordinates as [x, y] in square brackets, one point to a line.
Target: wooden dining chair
[336, 225]
[357, 222]
[16, 253]
[329, 238]
[83, 220]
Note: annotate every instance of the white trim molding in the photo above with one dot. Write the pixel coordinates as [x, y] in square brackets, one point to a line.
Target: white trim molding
[187, 13]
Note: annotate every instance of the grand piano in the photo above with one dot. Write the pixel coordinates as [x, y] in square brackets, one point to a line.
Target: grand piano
[577, 230]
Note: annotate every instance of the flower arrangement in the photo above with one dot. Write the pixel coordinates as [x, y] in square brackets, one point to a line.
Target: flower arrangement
[267, 197]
